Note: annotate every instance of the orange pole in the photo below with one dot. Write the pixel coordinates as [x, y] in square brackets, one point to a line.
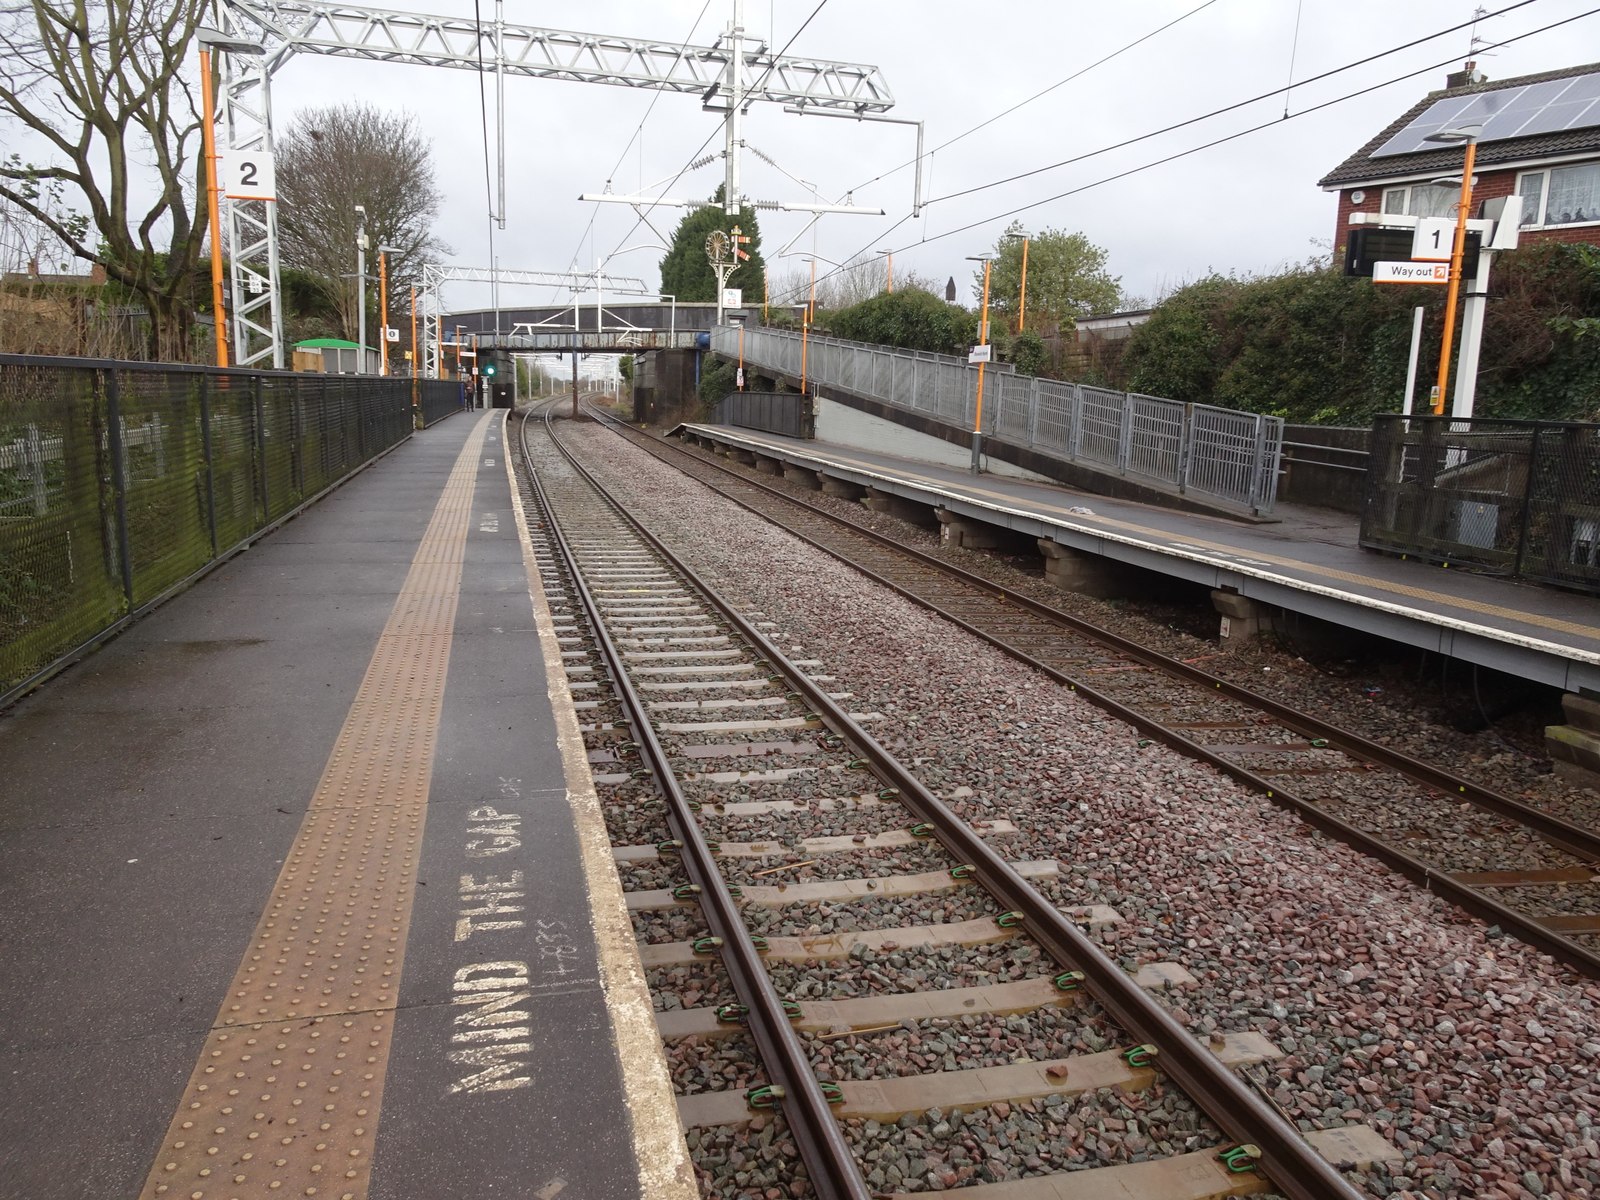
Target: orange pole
[741, 356]
[1455, 279]
[219, 314]
[1022, 300]
[983, 340]
[891, 274]
[416, 363]
[766, 282]
[383, 305]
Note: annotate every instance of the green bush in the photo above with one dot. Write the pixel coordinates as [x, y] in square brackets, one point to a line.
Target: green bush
[1316, 347]
[718, 377]
[910, 319]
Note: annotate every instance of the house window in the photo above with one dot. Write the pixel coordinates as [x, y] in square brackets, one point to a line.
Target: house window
[1560, 196]
[1421, 200]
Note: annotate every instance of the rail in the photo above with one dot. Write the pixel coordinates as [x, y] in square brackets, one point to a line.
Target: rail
[120, 482]
[1285, 1157]
[1217, 452]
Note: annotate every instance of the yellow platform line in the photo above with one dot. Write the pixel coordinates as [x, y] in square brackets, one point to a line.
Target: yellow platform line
[285, 1098]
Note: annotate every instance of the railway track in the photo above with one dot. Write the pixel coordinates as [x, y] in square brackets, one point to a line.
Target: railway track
[745, 801]
[1510, 864]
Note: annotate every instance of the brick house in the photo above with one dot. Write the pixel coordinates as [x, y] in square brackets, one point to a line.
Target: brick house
[1541, 141]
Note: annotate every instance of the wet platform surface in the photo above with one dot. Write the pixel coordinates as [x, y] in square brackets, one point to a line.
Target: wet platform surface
[1308, 562]
[294, 890]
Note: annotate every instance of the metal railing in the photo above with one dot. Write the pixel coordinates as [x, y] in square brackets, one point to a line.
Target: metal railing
[1217, 452]
[1521, 498]
[119, 481]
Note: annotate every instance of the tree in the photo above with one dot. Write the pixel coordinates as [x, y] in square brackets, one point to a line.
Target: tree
[98, 82]
[329, 161]
[686, 271]
[1067, 278]
[911, 319]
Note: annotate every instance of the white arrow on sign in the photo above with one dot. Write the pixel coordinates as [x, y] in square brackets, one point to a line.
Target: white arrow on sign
[250, 175]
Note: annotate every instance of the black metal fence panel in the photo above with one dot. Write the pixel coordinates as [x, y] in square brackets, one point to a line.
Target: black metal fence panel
[786, 413]
[120, 480]
[1520, 498]
[438, 398]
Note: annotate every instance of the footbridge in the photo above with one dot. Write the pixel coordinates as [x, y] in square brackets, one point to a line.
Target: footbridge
[626, 327]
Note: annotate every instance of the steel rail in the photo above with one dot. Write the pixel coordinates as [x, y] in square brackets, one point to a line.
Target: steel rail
[1465, 896]
[1288, 1160]
[830, 1165]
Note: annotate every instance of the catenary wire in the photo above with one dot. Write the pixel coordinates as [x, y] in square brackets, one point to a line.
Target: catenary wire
[1208, 145]
[1217, 112]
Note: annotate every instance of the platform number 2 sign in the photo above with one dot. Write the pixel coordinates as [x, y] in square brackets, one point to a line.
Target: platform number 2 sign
[250, 175]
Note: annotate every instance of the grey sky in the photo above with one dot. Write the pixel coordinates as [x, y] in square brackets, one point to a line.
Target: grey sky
[1249, 205]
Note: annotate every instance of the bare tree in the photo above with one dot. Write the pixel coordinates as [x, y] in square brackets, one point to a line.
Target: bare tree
[98, 83]
[329, 161]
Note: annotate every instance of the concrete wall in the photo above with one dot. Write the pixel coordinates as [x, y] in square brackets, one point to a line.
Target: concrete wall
[851, 427]
[1324, 466]
[664, 391]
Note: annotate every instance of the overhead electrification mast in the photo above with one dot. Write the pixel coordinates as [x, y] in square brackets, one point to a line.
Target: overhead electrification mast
[284, 27]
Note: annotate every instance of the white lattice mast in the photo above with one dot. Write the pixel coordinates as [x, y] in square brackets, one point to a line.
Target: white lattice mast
[245, 114]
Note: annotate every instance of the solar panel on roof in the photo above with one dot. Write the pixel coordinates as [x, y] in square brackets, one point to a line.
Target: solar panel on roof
[1553, 106]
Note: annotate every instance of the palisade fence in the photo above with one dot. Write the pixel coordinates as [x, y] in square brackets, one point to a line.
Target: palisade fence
[1521, 498]
[120, 480]
[1232, 456]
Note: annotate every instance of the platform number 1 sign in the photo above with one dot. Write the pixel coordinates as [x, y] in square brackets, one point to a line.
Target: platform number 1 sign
[250, 176]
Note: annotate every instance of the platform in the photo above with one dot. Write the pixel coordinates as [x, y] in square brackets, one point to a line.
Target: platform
[304, 889]
[1309, 562]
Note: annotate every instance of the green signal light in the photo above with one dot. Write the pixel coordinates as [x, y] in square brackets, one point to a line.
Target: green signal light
[489, 368]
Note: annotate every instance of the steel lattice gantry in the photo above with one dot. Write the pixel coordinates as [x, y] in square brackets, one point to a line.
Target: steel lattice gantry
[284, 27]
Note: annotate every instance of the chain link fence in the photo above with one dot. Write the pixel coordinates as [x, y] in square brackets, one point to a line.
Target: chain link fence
[119, 481]
[1520, 498]
[1192, 448]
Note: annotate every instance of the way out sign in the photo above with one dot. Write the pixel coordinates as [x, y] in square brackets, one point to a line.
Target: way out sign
[1410, 272]
[250, 175]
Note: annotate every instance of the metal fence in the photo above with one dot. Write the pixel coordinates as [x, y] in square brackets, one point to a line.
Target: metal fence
[1232, 456]
[1521, 498]
[120, 480]
[436, 399]
[785, 413]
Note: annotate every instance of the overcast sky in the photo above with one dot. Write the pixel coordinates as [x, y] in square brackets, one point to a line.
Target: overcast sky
[1251, 204]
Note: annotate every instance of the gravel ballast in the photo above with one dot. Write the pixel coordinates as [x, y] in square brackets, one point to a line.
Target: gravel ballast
[1476, 1056]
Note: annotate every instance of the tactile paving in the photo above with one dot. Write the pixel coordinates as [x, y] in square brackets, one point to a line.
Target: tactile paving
[285, 1098]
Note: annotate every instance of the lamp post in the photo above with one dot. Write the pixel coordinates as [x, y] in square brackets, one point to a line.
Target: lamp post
[1022, 299]
[983, 340]
[889, 254]
[383, 305]
[210, 39]
[361, 289]
[1468, 134]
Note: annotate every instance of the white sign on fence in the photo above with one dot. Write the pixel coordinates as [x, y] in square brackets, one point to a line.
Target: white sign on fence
[1410, 272]
[979, 354]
